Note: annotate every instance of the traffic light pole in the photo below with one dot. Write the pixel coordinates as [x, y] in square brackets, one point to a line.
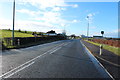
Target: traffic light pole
[13, 22]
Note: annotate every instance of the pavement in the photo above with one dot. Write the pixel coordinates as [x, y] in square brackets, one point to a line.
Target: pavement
[109, 60]
[60, 59]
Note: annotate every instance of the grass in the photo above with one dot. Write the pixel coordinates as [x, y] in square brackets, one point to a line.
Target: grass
[8, 33]
[115, 50]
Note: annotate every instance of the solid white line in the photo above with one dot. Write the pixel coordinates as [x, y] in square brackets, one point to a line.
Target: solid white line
[19, 70]
[59, 48]
[66, 43]
[22, 64]
[54, 50]
[29, 61]
[97, 60]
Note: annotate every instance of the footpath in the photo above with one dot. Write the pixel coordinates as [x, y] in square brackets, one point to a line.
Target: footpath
[109, 60]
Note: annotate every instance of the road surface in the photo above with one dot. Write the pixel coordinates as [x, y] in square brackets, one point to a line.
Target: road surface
[60, 59]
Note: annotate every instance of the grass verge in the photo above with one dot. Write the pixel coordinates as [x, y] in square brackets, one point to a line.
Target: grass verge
[115, 50]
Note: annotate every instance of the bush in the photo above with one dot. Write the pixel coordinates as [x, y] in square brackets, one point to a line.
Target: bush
[19, 30]
[9, 29]
[114, 43]
[33, 33]
[25, 31]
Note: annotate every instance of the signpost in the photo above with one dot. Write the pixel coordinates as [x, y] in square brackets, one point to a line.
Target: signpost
[101, 46]
[102, 32]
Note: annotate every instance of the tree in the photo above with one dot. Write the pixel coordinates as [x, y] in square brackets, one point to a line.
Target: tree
[73, 35]
[51, 32]
[25, 31]
[33, 33]
[40, 33]
[9, 29]
[19, 30]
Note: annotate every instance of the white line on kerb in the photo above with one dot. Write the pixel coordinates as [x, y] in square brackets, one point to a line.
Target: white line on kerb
[28, 63]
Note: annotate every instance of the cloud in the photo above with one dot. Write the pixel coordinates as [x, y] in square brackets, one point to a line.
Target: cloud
[51, 16]
[48, 15]
[93, 27]
[90, 17]
[58, 9]
[75, 21]
[28, 25]
[43, 4]
[75, 6]
[70, 5]
[112, 34]
[49, 9]
[29, 12]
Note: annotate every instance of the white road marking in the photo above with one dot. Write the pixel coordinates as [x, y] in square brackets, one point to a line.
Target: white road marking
[28, 63]
[19, 70]
[91, 55]
[54, 50]
[67, 43]
[23, 64]
[59, 47]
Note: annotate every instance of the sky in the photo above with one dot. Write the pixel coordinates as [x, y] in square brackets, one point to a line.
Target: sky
[60, 15]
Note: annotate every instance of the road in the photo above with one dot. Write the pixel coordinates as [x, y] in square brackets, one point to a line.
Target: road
[60, 59]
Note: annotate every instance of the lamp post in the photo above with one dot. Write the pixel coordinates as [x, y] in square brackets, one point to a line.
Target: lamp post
[13, 22]
[88, 28]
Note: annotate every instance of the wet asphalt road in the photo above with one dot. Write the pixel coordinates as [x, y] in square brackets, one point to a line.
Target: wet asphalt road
[60, 59]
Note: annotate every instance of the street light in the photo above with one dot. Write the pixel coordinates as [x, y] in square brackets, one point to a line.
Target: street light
[13, 22]
[88, 28]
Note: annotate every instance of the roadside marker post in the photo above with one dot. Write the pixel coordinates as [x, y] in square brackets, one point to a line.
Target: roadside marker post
[18, 42]
[101, 46]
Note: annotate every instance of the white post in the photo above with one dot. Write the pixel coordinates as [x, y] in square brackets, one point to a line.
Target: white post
[101, 49]
[18, 42]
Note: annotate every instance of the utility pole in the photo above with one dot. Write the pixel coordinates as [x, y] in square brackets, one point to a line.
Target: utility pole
[13, 22]
[88, 28]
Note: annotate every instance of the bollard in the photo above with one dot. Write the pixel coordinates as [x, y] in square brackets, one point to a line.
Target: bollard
[101, 49]
[18, 42]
